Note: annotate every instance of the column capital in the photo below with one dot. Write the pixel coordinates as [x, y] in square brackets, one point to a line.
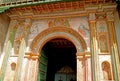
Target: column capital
[28, 22]
[92, 16]
[110, 16]
[80, 53]
[83, 55]
[13, 23]
[32, 55]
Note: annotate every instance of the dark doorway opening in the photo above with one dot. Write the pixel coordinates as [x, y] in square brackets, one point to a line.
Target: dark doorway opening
[60, 52]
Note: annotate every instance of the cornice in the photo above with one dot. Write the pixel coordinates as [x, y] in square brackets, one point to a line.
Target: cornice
[63, 9]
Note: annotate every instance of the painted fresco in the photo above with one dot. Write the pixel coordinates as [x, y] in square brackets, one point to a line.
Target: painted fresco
[37, 27]
[103, 44]
[63, 22]
[97, 64]
[102, 36]
[101, 26]
[18, 36]
[79, 24]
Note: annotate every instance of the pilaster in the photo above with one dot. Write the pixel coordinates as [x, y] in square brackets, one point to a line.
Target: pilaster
[27, 25]
[94, 55]
[13, 25]
[83, 73]
[33, 59]
[114, 48]
[80, 67]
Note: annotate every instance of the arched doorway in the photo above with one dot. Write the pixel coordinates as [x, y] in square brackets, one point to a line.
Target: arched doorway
[59, 32]
[58, 61]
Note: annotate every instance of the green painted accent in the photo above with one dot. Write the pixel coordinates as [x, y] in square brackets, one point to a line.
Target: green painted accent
[5, 62]
[4, 8]
[13, 35]
[21, 57]
[117, 0]
[93, 65]
[113, 55]
[97, 52]
[22, 52]
[7, 54]
[27, 34]
[67, 23]
[115, 66]
[42, 67]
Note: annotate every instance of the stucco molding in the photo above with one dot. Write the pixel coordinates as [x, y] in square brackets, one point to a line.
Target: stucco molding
[56, 32]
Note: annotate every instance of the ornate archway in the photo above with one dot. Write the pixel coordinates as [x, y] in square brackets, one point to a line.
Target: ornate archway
[55, 32]
[60, 32]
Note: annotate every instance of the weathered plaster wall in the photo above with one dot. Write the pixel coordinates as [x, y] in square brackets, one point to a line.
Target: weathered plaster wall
[4, 23]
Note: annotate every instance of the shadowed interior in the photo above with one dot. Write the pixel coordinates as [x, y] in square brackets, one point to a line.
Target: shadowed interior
[60, 52]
